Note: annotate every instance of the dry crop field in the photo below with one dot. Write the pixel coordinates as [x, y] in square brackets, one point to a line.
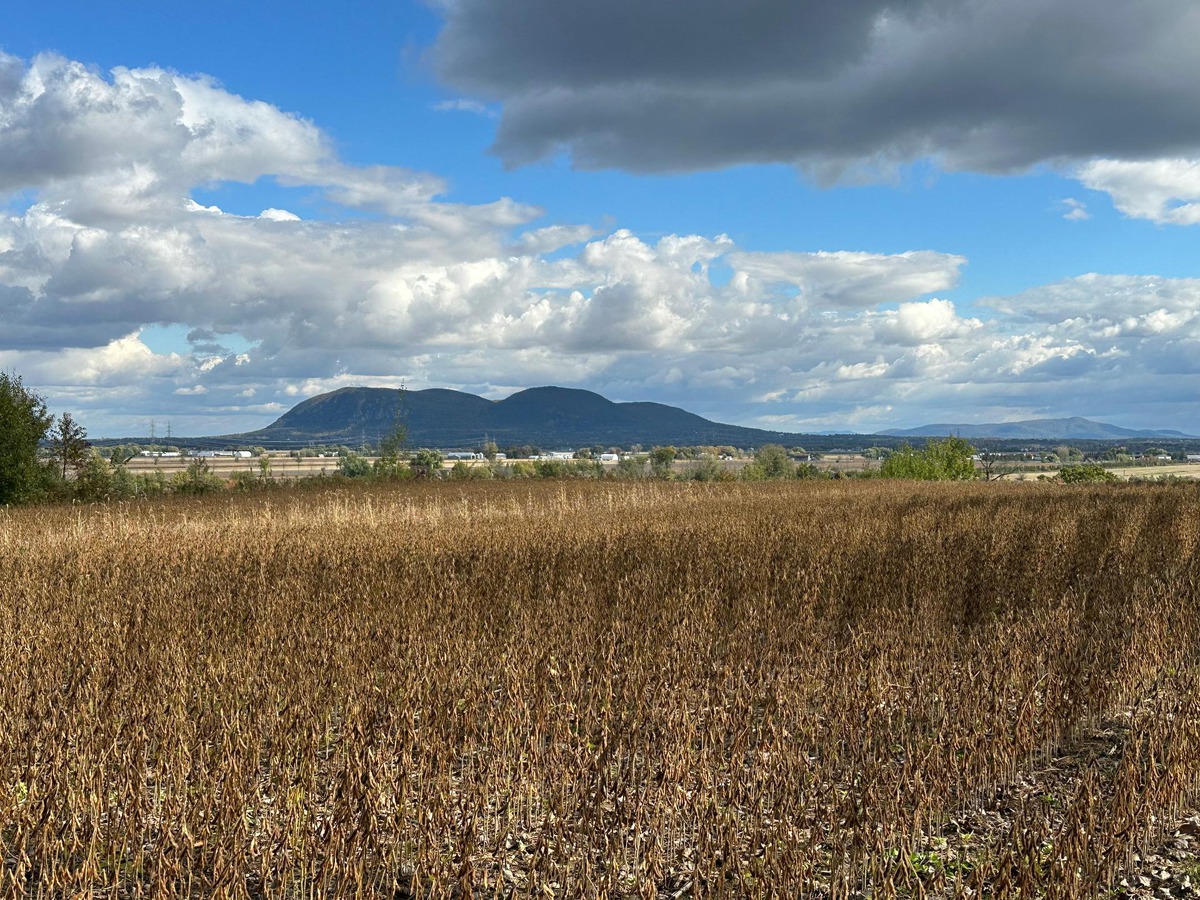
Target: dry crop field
[814, 689]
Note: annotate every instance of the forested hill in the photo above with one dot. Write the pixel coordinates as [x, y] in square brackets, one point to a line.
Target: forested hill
[549, 417]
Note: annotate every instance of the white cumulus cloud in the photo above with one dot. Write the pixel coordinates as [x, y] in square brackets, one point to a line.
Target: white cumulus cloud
[1166, 191]
[103, 246]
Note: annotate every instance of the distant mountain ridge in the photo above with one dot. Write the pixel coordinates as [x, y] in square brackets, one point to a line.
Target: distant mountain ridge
[549, 417]
[1074, 428]
[561, 418]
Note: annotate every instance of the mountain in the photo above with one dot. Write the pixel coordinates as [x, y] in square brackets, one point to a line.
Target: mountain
[550, 417]
[1074, 428]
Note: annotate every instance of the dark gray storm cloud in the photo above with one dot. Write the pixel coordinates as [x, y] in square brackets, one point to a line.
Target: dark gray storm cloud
[992, 85]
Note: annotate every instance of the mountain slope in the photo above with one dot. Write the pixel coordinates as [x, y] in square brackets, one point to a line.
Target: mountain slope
[1074, 428]
[550, 417]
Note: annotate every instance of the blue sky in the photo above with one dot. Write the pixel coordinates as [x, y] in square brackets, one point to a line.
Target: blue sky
[774, 214]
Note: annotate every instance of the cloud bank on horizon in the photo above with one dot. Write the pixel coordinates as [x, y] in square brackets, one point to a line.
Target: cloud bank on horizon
[102, 239]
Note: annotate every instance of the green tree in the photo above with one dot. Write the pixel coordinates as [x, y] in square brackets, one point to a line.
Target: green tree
[354, 466]
[661, 461]
[705, 468]
[426, 462]
[948, 459]
[119, 455]
[909, 463]
[197, 478]
[391, 446]
[953, 459]
[630, 467]
[1067, 454]
[807, 470]
[94, 479]
[1086, 473]
[68, 442]
[774, 461]
[23, 425]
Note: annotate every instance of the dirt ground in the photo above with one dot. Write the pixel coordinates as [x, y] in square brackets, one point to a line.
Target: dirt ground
[281, 466]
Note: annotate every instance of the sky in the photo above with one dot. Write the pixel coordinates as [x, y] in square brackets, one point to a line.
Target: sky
[788, 214]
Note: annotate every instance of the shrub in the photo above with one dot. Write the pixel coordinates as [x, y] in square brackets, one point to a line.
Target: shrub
[354, 466]
[426, 462]
[630, 467]
[948, 459]
[196, 479]
[807, 470]
[1086, 473]
[774, 461]
[95, 480]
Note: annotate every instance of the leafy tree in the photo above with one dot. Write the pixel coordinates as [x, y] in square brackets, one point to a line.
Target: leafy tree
[909, 463]
[426, 462]
[390, 447]
[948, 459]
[354, 466]
[121, 454]
[196, 479]
[522, 468]
[23, 424]
[774, 461]
[94, 479]
[631, 467]
[953, 458]
[490, 450]
[705, 468]
[68, 441]
[752, 472]
[661, 460]
[1067, 454]
[1086, 473]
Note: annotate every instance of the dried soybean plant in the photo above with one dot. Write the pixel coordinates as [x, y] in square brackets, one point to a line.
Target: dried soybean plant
[598, 690]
